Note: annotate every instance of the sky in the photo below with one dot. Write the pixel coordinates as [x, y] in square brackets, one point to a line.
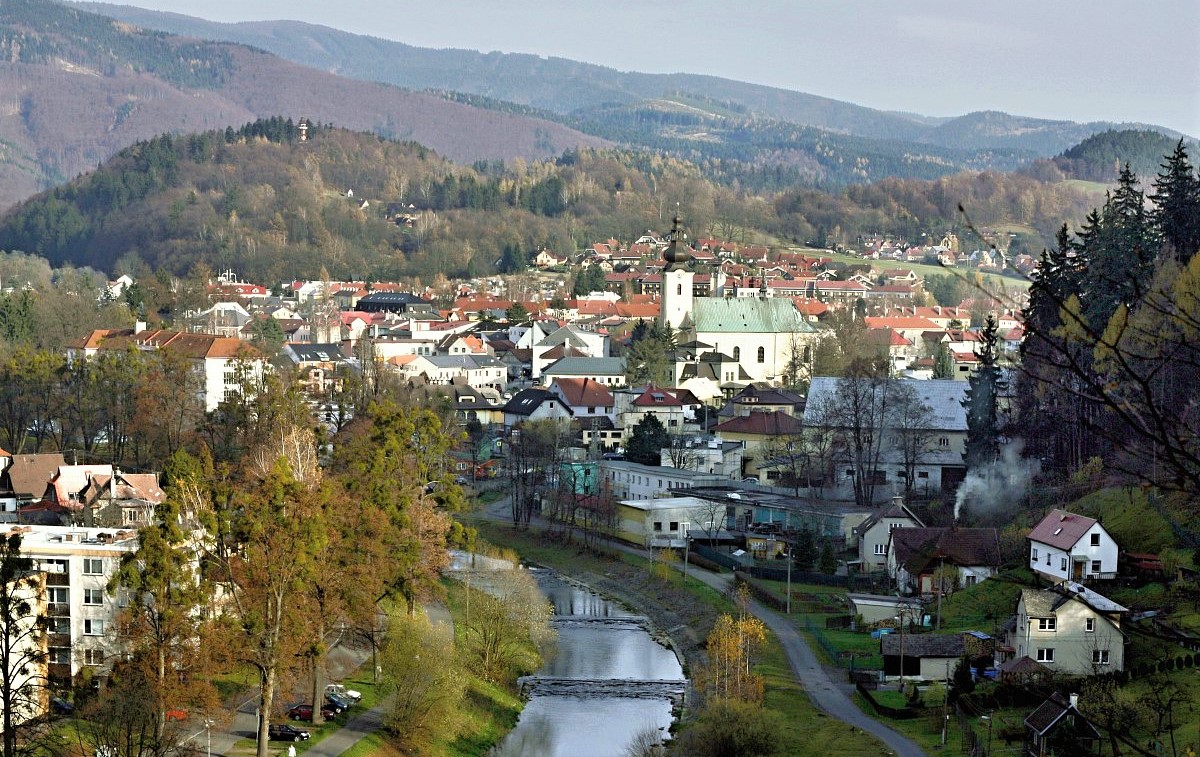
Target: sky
[1079, 60]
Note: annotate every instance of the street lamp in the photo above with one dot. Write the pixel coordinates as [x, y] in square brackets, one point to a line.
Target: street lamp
[988, 718]
[687, 544]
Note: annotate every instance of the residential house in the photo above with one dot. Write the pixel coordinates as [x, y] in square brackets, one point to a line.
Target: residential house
[479, 371]
[1064, 546]
[633, 405]
[609, 371]
[765, 436]
[704, 454]
[875, 532]
[470, 404]
[120, 500]
[872, 609]
[394, 302]
[584, 397]
[917, 558]
[1068, 628]
[533, 404]
[318, 366]
[1058, 729]
[23, 480]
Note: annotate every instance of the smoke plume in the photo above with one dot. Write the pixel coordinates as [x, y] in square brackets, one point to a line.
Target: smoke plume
[999, 485]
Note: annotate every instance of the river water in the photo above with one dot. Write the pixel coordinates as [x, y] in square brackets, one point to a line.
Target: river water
[608, 681]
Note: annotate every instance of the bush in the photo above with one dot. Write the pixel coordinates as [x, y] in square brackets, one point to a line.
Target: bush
[730, 728]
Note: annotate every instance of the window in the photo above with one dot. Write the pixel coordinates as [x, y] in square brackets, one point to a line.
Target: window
[1095, 566]
[57, 595]
[1095, 540]
[893, 526]
[60, 656]
[943, 441]
[762, 354]
[93, 596]
[658, 525]
[880, 549]
[1099, 656]
[93, 657]
[1034, 558]
[1062, 563]
[679, 289]
[1047, 558]
[1089, 625]
[674, 525]
[58, 625]
[923, 474]
[737, 353]
[93, 627]
[1045, 654]
[970, 580]
[1047, 624]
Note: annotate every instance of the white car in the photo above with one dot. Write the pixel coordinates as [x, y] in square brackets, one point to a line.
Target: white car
[339, 690]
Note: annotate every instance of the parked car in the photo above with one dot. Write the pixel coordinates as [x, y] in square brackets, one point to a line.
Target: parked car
[61, 706]
[285, 732]
[343, 692]
[337, 703]
[176, 715]
[305, 712]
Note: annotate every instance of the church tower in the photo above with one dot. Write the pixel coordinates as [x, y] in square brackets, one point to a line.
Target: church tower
[676, 304]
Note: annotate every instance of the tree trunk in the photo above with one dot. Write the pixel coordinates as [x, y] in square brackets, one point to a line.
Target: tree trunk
[266, 699]
[318, 663]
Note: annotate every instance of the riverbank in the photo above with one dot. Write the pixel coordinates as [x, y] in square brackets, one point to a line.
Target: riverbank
[684, 609]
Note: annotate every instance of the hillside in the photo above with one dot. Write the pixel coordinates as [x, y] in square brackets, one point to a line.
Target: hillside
[1100, 157]
[274, 208]
[78, 87]
[566, 86]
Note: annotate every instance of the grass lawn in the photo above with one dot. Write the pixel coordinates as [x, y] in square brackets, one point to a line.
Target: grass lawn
[987, 604]
[990, 280]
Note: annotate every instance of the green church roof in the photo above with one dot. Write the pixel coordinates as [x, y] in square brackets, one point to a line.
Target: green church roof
[748, 315]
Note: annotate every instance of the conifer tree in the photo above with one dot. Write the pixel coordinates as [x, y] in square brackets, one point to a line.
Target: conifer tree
[647, 440]
[981, 403]
[1177, 205]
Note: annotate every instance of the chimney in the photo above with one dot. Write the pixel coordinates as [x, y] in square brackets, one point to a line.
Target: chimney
[1074, 701]
[139, 327]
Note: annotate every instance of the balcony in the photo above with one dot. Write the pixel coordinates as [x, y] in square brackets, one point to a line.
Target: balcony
[58, 611]
[58, 639]
[58, 579]
[59, 672]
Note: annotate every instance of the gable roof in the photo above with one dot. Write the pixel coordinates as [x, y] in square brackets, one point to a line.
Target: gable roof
[917, 548]
[772, 423]
[29, 474]
[944, 398]
[655, 397]
[526, 401]
[1061, 529]
[744, 315]
[586, 366]
[896, 510]
[584, 392]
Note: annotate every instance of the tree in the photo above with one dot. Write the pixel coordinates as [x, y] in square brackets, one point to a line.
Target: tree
[804, 550]
[731, 646]
[680, 452]
[122, 721]
[982, 401]
[943, 364]
[729, 728]
[516, 314]
[911, 423]
[508, 626]
[588, 279]
[421, 669]
[827, 563]
[159, 627]
[647, 441]
[22, 650]
[533, 453]
[858, 414]
[1177, 205]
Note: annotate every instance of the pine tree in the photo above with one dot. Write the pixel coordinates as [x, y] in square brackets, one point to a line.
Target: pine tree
[647, 440]
[981, 403]
[1117, 247]
[943, 365]
[1177, 205]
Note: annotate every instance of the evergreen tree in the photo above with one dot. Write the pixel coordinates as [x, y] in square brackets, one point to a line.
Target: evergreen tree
[943, 365]
[1177, 205]
[981, 403]
[828, 561]
[516, 313]
[1117, 246]
[647, 441]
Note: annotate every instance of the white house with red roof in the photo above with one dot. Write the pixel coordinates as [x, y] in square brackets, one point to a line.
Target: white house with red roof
[584, 397]
[1069, 547]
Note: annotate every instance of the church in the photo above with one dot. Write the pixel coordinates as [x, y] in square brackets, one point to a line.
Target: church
[730, 342]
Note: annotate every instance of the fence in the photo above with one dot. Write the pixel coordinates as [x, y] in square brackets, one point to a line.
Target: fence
[723, 559]
[902, 713]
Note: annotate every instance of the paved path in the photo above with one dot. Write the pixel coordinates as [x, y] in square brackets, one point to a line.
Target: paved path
[823, 692]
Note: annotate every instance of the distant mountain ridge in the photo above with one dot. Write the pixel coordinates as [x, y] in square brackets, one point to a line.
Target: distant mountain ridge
[78, 87]
[565, 86]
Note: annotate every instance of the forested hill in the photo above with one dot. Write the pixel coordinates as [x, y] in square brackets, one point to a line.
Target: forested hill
[1101, 157]
[81, 86]
[566, 86]
[259, 200]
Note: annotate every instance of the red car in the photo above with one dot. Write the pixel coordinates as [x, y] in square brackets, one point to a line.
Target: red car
[305, 712]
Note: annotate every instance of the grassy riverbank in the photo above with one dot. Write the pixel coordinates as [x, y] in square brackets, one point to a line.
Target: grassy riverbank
[685, 611]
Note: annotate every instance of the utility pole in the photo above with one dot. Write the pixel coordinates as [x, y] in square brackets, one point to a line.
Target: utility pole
[789, 580]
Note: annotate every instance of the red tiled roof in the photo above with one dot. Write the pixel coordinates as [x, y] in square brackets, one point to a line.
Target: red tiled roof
[766, 424]
[584, 392]
[900, 322]
[1061, 529]
[655, 397]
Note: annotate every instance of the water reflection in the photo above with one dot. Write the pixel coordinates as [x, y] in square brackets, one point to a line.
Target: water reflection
[607, 650]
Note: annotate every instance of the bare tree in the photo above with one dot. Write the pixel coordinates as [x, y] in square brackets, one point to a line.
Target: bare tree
[681, 452]
[859, 411]
[910, 422]
[22, 647]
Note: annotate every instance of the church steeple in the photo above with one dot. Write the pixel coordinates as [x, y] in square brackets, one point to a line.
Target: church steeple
[676, 302]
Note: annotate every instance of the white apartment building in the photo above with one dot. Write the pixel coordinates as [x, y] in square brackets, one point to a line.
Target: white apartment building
[81, 615]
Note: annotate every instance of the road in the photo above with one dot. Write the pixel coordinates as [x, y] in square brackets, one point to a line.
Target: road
[829, 697]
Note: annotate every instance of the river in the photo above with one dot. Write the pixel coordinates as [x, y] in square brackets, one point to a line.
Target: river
[608, 681]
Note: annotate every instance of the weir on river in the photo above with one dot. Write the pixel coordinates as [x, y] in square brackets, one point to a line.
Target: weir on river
[608, 680]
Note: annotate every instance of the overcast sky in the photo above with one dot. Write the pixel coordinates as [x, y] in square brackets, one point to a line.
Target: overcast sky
[1081, 60]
